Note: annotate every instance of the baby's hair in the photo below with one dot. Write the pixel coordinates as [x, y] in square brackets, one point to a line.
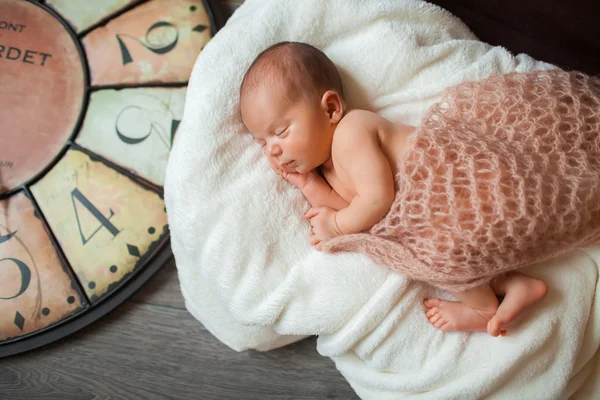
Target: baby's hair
[303, 70]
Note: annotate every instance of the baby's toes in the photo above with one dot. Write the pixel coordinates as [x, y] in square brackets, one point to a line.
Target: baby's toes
[440, 323]
[494, 327]
[433, 315]
[431, 312]
[430, 303]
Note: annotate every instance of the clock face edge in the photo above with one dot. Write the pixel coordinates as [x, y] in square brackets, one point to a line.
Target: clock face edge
[160, 249]
[83, 320]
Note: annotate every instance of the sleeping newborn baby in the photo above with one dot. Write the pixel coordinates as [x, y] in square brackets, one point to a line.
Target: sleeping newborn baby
[361, 173]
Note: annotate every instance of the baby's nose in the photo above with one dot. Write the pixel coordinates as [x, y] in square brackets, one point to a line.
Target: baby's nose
[274, 150]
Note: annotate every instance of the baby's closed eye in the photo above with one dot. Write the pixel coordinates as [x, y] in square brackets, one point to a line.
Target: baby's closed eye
[282, 132]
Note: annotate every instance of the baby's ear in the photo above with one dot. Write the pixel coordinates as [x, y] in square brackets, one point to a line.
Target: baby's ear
[333, 106]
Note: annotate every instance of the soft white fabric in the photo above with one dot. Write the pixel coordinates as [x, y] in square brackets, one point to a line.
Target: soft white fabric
[247, 271]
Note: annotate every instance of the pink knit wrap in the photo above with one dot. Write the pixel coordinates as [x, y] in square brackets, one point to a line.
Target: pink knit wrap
[501, 173]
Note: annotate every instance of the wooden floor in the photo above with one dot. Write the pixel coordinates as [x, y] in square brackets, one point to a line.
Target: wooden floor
[150, 347]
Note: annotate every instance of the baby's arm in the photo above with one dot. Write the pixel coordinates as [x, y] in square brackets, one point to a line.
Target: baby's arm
[312, 185]
[320, 194]
[361, 157]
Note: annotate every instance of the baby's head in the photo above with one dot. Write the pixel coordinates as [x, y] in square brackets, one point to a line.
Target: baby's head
[291, 102]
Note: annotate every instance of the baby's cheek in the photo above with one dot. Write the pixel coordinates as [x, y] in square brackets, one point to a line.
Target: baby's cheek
[272, 161]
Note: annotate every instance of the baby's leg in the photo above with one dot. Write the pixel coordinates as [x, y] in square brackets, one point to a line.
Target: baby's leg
[521, 291]
[472, 313]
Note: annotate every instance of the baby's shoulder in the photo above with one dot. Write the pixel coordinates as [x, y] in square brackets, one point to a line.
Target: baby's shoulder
[357, 129]
[358, 123]
[359, 118]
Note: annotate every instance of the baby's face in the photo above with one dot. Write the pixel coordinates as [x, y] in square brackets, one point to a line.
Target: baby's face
[296, 136]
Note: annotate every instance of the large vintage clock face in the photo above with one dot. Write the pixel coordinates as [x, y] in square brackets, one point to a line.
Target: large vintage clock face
[91, 95]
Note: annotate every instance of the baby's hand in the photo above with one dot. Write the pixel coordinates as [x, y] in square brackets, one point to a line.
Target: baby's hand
[299, 180]
[323, 224]
[295, 178]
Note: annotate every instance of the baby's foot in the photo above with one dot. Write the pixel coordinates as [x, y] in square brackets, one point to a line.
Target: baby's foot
[455, 316]
[522, 291]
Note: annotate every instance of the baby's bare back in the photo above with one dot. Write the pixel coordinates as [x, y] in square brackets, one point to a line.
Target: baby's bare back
[501, 174]
[392, 142]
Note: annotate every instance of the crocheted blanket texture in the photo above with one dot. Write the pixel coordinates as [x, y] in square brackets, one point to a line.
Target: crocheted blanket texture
[501, 173]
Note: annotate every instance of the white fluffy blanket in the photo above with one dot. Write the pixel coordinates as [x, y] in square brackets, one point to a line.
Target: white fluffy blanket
[247, 271]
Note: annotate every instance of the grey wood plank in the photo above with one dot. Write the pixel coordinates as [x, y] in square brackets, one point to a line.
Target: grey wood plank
[162, 288]
[142, 351]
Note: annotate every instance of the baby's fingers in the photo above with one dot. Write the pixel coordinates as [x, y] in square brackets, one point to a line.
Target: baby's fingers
[314, 241]
[312, 213]
[278, 172]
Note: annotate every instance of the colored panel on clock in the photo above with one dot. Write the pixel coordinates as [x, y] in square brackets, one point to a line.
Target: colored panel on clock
[105, 223]
[83, 14]
[134, 128]
[157, 41]
[35, 289]
[41, 90]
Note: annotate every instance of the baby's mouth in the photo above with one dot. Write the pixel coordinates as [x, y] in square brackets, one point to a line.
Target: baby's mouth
[288, 164]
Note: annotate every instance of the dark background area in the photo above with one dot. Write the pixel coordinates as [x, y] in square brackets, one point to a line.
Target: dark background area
[564, 33]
